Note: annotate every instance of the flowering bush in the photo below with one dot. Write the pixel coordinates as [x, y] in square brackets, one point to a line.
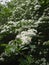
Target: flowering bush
[24, 32]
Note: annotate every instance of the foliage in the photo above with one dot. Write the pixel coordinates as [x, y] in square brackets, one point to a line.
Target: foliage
[24, 32]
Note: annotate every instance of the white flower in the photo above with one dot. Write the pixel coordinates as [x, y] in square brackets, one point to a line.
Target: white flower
[31, 32]
[22, 4]
[1, 59]
[37, 7]
[3, 30]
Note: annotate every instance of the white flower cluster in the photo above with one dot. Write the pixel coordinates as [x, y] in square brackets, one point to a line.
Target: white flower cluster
[16, 26]
[26, 36]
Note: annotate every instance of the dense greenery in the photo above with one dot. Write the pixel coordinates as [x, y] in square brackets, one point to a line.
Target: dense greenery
[24, 32]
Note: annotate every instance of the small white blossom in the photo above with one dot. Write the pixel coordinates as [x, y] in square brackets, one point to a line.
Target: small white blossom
[37, 7]
[1, 59]
[3, 30]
